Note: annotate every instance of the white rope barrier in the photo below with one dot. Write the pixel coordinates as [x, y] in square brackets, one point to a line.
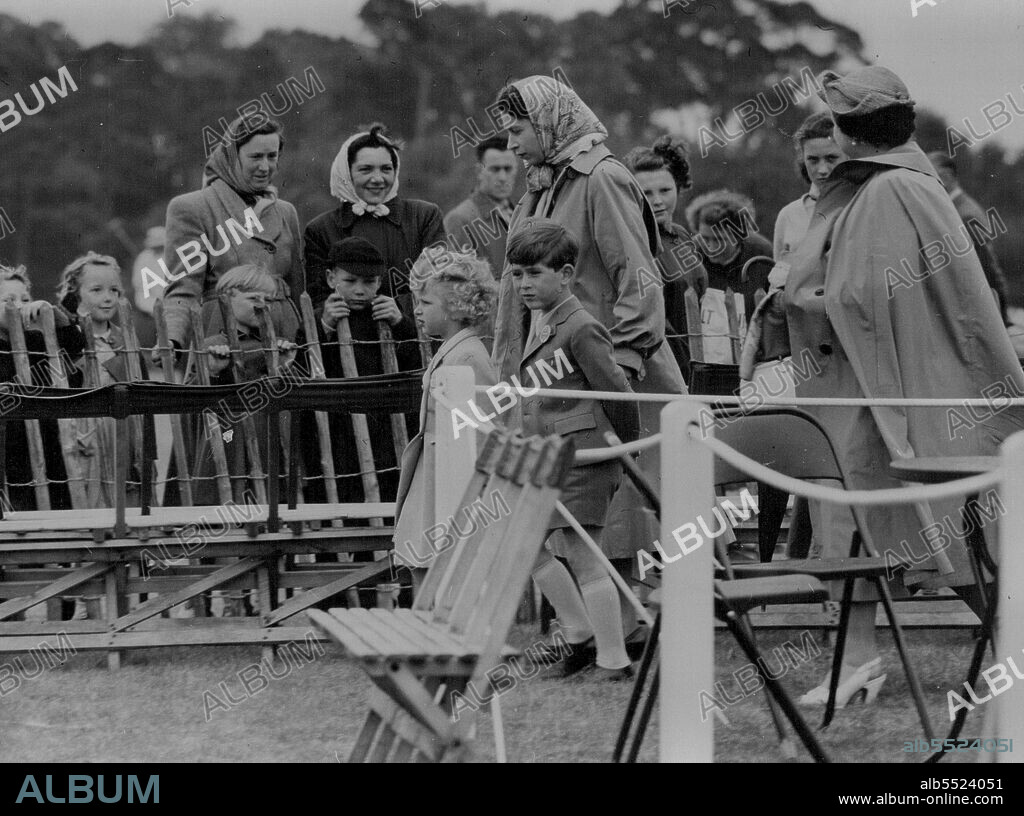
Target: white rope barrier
[745, 402]
[587, 456]
[861, 498]
[760, 473]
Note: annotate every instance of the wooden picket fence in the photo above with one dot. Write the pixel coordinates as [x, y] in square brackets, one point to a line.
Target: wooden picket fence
[145, 560]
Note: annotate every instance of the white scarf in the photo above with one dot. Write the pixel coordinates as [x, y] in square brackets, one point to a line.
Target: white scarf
[343, 189]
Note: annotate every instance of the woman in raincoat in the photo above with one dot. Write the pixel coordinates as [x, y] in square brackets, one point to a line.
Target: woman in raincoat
[573, 179]
[885, 308]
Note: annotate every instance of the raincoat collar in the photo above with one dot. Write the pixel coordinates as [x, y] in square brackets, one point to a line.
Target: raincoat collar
[908, 156]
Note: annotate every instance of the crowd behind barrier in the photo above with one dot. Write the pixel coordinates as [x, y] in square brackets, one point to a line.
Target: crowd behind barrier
[296, 412]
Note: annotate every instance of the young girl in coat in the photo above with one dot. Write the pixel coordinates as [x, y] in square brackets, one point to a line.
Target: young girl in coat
[90, 288]
[454, 300]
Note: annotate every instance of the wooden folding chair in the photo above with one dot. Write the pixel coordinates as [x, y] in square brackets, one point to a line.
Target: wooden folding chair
[420, 658]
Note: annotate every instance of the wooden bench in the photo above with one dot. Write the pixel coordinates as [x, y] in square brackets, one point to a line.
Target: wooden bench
[421, 660]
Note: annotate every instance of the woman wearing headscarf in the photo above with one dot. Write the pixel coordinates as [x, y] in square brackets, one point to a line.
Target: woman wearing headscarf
[573, 179]
[364, 178]
[867, 301]
[234, 220]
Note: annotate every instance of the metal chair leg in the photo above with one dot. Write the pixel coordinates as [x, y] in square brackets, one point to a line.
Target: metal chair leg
[781, 697]
[837, 653]
[908, 666]
[650, 650]
[645, 717]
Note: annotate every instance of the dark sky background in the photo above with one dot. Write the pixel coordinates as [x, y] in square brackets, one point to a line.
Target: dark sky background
[956, 56]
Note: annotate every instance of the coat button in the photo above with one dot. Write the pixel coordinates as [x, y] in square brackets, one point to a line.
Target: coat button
[819, 292]
[825, 348]
[271, 249]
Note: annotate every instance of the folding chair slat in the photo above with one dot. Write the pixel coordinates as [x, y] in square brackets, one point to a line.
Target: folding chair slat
[470, 588]
[381, 748]
[399, 643]
[425, 638]
[443, 571]
[410, 694]
[367, 736]
[746, 593]
[381, 647]
[353, 641]
[422, 625]
[453, 564]
[412, 736]
[403, 752]
[825, 569]
[513, 566]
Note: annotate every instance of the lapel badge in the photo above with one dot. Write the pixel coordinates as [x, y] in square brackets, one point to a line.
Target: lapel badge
[545, 334]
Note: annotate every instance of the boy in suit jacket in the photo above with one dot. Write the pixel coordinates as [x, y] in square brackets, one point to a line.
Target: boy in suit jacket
[566, 341]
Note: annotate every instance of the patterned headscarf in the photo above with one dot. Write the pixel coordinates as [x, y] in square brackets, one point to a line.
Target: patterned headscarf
[343, 189]
[565, 126]
[224, 164]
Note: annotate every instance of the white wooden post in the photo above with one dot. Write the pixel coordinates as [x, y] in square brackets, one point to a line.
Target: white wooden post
[455, 458]
[1009, 713]
[687, 610]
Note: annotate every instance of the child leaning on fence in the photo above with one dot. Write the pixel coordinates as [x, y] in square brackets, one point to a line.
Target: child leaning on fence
[454, 301]
[90, 289]
[249, 289]
[14, 289]
[354, 274]
[567, 348]
[20, 469]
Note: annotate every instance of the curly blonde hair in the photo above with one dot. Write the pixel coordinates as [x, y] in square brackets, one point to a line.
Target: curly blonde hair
[470, 292]
[71, 277]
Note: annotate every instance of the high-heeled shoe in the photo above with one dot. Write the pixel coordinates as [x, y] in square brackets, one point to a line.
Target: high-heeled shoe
[864, 683]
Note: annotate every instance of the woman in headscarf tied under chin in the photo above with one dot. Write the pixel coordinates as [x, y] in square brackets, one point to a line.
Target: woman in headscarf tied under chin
[881, 322]
[364, 178]
[573, 178]
[216, 221]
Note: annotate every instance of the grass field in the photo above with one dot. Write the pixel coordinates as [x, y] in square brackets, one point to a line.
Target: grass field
[153, 709]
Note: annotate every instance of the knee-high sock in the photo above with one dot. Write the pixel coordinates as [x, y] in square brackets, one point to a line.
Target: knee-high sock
[556, 583]
[606, 617]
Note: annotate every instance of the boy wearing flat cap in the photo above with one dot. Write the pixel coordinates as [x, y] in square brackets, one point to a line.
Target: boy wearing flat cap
[354, 273]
